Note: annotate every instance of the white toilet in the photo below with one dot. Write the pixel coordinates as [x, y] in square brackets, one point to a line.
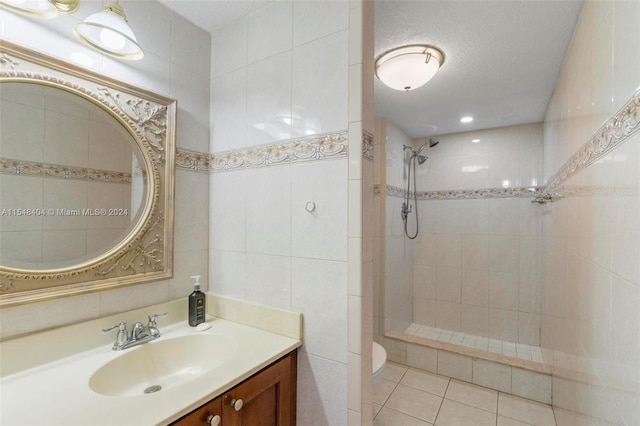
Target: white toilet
[379, 360]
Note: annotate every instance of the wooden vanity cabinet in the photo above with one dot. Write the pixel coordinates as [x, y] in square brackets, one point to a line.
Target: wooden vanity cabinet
[268, 398]
[203, 415]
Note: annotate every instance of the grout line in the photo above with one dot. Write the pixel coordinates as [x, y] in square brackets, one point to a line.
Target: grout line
[403, 374]
[406, 414]
[390, 393]
[442, 401]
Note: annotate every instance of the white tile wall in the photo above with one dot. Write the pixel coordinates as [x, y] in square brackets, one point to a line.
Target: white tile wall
[269, 99]
[320, 85]
[322, 233]
[314, 20]
[590, 278]
[322, 391]
[266, 86]
[229, 110]
[268, 212]
[269, 31]
[398, 288]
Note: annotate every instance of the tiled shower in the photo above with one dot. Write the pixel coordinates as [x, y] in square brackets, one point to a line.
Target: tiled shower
[474, 262]
[490, 269]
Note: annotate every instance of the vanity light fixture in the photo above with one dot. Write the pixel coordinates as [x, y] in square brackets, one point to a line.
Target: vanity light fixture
[46, 9]
[108, 32]
[409, 67]
[105, 31]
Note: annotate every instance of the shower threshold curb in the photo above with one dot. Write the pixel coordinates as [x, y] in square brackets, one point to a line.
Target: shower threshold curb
[537, 367]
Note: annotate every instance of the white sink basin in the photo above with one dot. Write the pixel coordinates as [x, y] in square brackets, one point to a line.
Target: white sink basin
[162, 364]
[100, 386]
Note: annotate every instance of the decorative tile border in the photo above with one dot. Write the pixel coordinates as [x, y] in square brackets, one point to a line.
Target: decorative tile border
[394, 191]
[192, 160]
[367, 145]
[31, 168]
[468, 194]
[317, 147]
[618, 129]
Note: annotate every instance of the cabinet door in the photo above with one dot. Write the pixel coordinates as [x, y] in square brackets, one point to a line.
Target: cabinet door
[203, 415]
[265, 399]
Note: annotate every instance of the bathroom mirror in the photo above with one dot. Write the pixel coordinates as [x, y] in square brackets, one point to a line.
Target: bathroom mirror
[86, 180]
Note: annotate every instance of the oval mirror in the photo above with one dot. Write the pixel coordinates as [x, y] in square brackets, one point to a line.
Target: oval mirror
[86, 179]
[73, 182]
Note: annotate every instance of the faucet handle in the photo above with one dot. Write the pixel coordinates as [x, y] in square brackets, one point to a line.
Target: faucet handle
[121, 327]
[152, 326]
[121, 338]
[152, 319]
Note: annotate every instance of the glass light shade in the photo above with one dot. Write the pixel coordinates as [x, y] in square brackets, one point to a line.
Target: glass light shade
[35, 8]
[409, 67]
[108, 32]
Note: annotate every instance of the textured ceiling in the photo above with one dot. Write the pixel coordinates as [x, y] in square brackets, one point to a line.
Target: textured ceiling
[502, 59]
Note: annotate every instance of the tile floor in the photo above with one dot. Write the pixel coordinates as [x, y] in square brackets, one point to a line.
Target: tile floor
[516, 350]
[412, 397]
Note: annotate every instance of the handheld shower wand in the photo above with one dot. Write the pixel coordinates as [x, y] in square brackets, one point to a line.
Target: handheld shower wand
[406, 208]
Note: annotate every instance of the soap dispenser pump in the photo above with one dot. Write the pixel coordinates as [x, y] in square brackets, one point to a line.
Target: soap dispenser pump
[196, 303]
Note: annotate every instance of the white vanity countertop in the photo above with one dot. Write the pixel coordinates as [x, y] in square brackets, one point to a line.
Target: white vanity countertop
[58, 392]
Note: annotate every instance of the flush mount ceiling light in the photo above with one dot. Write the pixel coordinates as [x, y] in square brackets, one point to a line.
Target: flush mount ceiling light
[46, 9]
[108, 32]
[409, 67]
[466, 119]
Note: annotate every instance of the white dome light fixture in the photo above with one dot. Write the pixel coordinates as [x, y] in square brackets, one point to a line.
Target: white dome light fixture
[108, 32]
[409, 67]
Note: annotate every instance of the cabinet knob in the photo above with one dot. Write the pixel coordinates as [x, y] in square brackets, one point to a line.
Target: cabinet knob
[237, 404]
[214, 420]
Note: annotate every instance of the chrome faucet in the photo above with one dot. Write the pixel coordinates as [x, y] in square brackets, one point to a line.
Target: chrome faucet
[139, 333]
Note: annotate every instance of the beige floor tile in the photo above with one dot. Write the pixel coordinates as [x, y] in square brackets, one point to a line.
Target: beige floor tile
[415, 403]
[394, 372]
[423, 380]
[382, 391]
[525, 410]
[376, 409]
[453, 413]
[506, 421]
[473, 395]
[389, 417]
[569, 418]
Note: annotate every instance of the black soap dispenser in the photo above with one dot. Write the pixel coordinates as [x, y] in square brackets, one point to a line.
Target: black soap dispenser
[196, 303]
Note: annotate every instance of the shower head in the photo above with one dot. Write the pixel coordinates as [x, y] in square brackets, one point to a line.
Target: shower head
[433, 142]
[421, 158]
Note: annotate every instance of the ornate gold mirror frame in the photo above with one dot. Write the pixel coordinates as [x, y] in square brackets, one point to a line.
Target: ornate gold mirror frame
[146, 253]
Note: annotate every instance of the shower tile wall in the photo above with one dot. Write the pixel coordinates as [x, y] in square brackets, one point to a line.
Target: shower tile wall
[475, 261]
[398, 250]
[591, 239]
[506, 157]
[176, 63]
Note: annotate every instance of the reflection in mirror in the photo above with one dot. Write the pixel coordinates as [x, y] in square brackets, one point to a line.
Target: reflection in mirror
[87, 169]
[71, 178]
